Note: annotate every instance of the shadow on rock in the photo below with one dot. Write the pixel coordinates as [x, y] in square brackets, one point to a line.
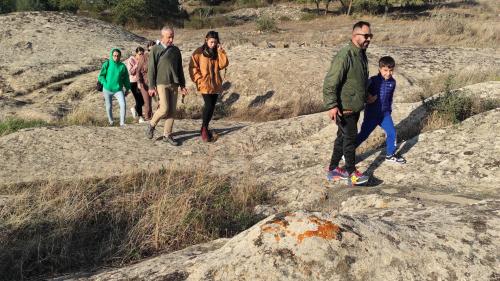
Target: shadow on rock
[183, 136]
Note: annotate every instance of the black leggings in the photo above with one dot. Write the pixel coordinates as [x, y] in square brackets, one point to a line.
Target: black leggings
[208, 110]
[139, 101]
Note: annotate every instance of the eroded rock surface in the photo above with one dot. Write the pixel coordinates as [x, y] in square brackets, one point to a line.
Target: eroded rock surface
[414, 243]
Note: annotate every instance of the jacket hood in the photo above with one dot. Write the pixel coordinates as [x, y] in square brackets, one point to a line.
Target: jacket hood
[111, 54]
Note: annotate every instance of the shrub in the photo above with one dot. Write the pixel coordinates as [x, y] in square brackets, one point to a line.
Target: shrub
[454, 106]
[14, 124]
[266, 24]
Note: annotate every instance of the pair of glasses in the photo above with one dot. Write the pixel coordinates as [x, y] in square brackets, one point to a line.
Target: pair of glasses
[366, 35]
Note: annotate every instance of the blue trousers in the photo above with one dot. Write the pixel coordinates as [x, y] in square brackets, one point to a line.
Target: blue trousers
[109, 108]
[385, 121]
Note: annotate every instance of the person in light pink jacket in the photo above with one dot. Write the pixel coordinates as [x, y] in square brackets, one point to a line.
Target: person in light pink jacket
[132, 66]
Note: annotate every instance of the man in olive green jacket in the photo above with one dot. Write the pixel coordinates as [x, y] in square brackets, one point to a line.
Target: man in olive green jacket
[165, 77]
[344, 95]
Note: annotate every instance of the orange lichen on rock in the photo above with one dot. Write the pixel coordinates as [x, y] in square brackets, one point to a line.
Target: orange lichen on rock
[326, 230]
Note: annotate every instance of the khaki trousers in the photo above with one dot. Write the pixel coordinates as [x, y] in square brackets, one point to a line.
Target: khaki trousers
[167, 95]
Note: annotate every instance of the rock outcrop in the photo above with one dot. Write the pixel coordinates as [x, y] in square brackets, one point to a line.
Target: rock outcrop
[406, 241]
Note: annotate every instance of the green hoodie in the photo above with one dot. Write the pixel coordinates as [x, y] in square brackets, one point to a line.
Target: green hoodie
[114, 75]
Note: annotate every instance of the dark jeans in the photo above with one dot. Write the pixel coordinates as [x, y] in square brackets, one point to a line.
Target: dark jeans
[139, 101]
[345, 143]
[208, 110]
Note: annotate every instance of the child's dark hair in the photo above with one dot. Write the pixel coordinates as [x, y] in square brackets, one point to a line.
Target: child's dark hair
[117, 51]
[150, 44]
[386, 61]
[139, 50]
[213, 34]
[360, 24]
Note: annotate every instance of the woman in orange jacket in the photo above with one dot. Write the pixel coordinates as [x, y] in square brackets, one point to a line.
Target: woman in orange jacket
[204, 69]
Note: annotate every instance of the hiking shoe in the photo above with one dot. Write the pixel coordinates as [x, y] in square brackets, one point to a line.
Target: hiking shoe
[169, 139]
[141, 120]
[134, 112]
[204, 134]
[395, 158]
[337, 174]
[212, 136]
[150, 130]
[111, 123]
[357, 178]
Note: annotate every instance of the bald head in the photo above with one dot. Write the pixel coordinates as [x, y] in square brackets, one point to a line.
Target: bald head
[167, 36]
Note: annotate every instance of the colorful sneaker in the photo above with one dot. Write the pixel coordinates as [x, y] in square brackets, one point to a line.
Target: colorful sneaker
[357, 178]
[395, 158]
[337, 174]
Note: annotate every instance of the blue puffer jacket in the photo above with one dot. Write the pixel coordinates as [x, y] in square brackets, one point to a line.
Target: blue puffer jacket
[384, 90]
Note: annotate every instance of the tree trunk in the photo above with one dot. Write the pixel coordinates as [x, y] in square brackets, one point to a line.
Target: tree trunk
[349, 10]
[317, 6]
[326, 7]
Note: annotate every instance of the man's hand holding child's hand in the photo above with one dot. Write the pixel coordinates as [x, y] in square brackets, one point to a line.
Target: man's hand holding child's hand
[371, 99]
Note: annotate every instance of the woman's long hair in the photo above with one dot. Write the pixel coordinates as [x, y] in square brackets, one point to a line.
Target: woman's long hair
[210, 52]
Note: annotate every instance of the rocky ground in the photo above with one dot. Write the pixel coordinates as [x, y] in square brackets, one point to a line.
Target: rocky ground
[435, 218]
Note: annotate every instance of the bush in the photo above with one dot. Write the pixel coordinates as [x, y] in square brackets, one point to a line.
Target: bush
[266, 24]
[455, 106]
[11, 125]
[7, 6]
[54, 227]
[211, 22]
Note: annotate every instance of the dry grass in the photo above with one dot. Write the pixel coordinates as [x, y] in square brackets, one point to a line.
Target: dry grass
[454, 80]
[83, 116]
[52, 227]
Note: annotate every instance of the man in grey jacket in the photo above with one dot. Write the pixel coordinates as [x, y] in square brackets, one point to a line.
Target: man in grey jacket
[165, 76]
[344, 95]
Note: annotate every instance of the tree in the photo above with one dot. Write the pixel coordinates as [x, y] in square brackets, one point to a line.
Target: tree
[150, 12]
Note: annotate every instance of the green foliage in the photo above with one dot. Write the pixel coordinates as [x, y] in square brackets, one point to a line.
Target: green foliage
[11, 125]
[7, 6]
[455, 106]
[266, 24]
[208, 22]
[251, 3]
[141, 12]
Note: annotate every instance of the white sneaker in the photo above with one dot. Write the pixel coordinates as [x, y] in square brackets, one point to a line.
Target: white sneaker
[111, 123]
[141, 120]
[134, 112]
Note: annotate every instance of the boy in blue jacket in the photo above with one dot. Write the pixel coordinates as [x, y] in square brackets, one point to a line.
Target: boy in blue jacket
[379, 107]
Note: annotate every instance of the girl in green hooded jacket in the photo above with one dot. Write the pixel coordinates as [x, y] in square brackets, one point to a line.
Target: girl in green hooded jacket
[114, 77]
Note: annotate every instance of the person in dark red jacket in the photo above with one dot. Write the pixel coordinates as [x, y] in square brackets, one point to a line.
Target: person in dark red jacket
[379, 108]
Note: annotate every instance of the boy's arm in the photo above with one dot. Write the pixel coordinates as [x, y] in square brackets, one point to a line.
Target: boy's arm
[369, 97]
[334, 80]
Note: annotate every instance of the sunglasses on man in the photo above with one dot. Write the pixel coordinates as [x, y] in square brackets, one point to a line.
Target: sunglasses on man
[366, 35]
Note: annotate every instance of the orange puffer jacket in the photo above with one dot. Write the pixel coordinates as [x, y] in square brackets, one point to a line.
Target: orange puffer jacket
[205, 72]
